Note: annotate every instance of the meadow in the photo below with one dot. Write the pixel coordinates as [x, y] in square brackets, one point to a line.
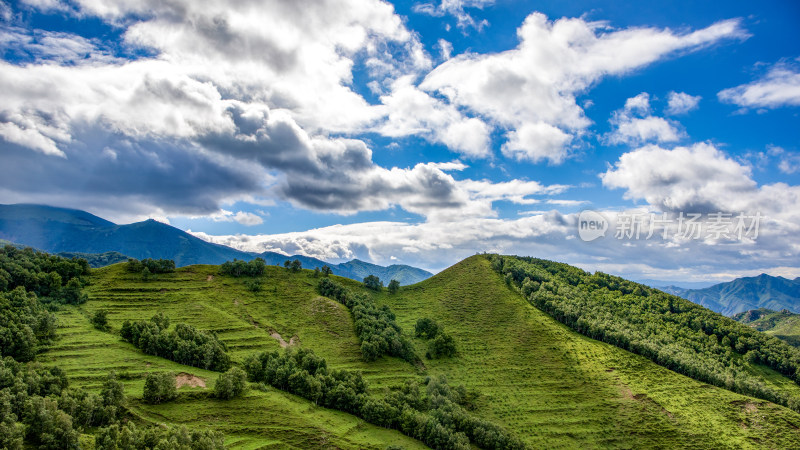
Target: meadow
[522, 370]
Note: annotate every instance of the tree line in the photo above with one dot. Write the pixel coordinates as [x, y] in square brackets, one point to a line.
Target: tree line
[375, 326]
[54, 280]
[432, 412]
[184, 344]
[239, 268]
[149, 267]
[671, 331]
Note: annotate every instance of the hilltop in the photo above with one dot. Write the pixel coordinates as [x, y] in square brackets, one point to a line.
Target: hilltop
[521, 369]
[78, 233]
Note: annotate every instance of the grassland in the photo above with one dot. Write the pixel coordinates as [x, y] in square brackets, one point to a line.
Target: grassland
[530, 374]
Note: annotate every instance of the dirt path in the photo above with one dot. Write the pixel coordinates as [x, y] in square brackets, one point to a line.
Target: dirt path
[293, 341]
[187, 379]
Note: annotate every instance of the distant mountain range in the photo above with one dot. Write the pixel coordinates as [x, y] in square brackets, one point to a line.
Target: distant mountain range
[744, 294]
[78, 233]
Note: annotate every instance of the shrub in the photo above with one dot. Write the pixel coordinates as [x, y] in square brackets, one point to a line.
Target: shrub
[426, 328]
[159, 388]
[100, 319]
[443, 346]
[231, 384]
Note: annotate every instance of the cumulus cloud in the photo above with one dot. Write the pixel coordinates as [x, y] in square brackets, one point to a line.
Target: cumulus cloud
[681, 103]
[634, 125]
[414, 112]
[779, 87]
[701, 178]
[537, 82]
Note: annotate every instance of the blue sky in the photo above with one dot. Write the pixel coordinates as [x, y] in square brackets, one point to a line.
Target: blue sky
[415, 132]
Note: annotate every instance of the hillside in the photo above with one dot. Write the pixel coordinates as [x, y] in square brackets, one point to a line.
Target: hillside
[69, 231]
[523, 370]
[744, 294]
[782, 324]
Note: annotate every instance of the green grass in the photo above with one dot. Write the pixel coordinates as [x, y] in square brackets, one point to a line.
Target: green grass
[552, 387]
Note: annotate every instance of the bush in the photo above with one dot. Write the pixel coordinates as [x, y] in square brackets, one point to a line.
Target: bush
[426, 328]
[231, 384]
[100, 319]
[443, 346]
[253, 285]
[159, 388]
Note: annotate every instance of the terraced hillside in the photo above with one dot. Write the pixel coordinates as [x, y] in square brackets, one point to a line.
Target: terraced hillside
[523, 370]
[782, 324]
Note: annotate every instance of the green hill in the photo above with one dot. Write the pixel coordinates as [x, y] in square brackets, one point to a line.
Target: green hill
[522, 370]
[782, 324]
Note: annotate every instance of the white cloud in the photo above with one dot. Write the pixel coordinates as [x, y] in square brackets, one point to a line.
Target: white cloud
[634, 125]
[242, 217]
[536, 142]
[537, 82]
[457, 9]
[701, 178]
[779, 87]
[636, 130]
[414, 112]
[446, 49]
[681, 103]
[639, 103]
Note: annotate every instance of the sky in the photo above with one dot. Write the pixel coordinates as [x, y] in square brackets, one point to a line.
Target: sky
[652, 140]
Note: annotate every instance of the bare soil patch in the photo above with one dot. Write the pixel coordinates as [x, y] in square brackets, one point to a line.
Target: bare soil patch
[293, 341]
[187, 379]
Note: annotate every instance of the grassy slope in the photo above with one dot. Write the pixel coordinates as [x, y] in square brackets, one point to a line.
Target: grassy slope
[553, 387]
[560, 389]
[261, 419]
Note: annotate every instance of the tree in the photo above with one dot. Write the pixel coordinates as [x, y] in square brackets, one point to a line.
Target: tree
[161, 320]
[287, 264]
[296, 265]
[231, 384]
[113, 392]
[443, 346]
[147, 275]
[100, 319]
[373, 282]
[426, 328]
[326, 271]
[394, 286]
[72, 294]
[159, 388]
